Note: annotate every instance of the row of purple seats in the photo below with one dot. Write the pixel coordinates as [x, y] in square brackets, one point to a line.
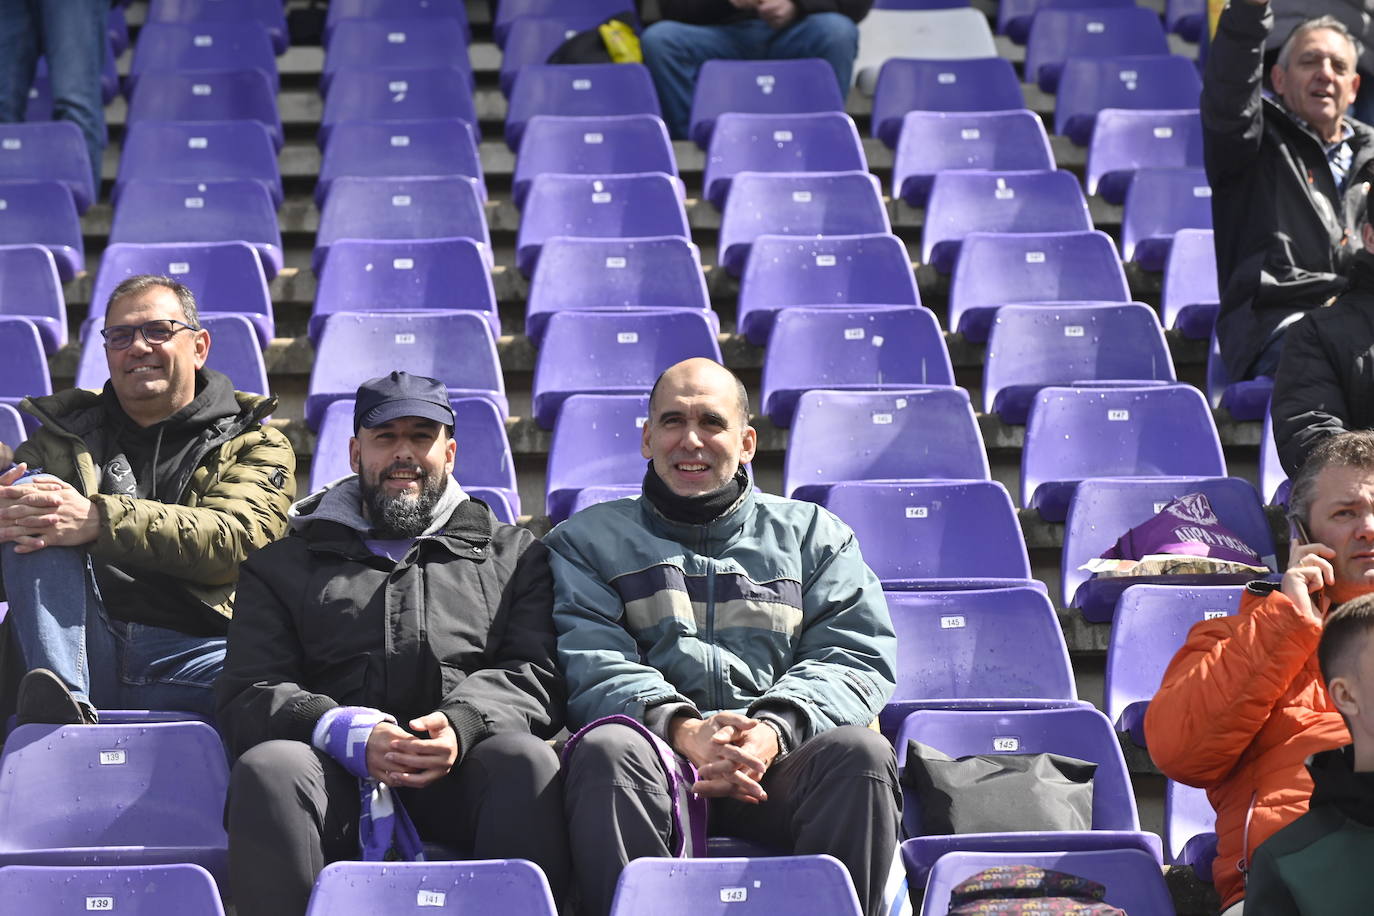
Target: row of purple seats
[1059, 35]
[211, 45]
[406, 93]
[439, 40]
[398, 209]
[824, 141]
[592, 145]
[341, 12]
[1143, 83]
[578, 90]
[1014, 17]
[271, 14]
[511, 12]
[435, 147]
[218, 95]
[530, 40]
[48, 151]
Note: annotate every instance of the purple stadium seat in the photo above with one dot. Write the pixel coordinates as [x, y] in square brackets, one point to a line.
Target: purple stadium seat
[1017, 202]
[797, 203]
[117, 27]
[1189, 828]
[818, 142]
[586, 90]
[400, 208]
[1191, 297]
[598, 206]
[343, 10]
[1149, 431]
[401, 94]
[769, 885]
[383, 44]
[915, 434]
[1159, 203]
[12, 431]
[1034, 346]
[597, 145]
[941, 535]
[1151, 624]
[1075, 731]
[227, 95]
[837, 270]
[234, 350]
[1132, 878]
[595, 443]
[760, 87]
[49, 151]
[614, 274]
[977, 84]
[1091, 84]
[366, 275]
[1057, 35]
[1103, 509]
[463, 888]
[229, 44]
[144, 794]
[226, 277]
[932, 142]
[24, 370]
[43, 213]
[590, 11]
[614, 353]
[874, 348]
[503, 509]
[431, 148]
[1124, 141]
[1245, 400]
[483, 460]
[199, 150]
[1014, 17]
[1186, 18]
[948, 34]
[270, 13]
[130, 890]
[531, 39]
[457, 348]
[31, 289]
[1274, 483]
[591, 496]
[222, 210]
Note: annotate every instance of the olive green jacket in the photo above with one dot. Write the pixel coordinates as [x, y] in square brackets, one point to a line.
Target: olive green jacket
[180, 560]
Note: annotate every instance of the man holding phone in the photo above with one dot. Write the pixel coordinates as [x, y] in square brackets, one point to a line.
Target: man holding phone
[1242, 704]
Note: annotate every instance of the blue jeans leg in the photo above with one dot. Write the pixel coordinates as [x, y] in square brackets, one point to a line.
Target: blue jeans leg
[19, 49]
[74, 42]
[833, 37]
[166, 669]
[674, 53]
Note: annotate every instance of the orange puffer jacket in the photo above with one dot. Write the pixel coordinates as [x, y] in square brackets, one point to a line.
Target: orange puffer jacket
[1241, 708]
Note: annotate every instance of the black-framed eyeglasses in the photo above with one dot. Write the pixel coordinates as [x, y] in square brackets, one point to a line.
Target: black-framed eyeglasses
[159, 331]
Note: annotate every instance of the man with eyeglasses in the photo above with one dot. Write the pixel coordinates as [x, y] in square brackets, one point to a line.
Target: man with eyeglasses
[123, 524]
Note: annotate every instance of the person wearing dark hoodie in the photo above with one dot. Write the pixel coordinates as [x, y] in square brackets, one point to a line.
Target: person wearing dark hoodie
[392, 674]
[1319, 863]
[123, 524]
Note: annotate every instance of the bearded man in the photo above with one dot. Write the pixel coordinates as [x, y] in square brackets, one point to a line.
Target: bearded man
[401, 638]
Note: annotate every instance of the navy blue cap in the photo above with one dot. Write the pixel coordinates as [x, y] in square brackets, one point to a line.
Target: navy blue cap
[400, 394]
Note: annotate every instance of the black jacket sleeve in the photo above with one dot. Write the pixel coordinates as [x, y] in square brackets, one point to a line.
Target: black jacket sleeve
[854, 9]
[1232, 107]
[1309, 402]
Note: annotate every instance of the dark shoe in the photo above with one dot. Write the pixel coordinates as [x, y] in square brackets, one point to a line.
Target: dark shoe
[45, 699]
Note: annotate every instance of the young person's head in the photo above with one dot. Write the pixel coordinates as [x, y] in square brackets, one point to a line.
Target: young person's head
[1346, 656]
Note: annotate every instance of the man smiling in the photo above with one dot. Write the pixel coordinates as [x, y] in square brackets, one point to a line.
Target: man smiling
[120, 559]
[745, 631]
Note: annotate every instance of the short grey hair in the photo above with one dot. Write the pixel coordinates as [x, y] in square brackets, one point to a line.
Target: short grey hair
[140, 283]
[1312, 25]
[1350, 449]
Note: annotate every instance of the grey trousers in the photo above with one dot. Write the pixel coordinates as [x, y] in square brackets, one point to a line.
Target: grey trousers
[837, 794]
[292, 810]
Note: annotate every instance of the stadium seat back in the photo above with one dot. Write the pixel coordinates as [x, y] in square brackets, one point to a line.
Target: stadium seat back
[597, 145]
[760, 87]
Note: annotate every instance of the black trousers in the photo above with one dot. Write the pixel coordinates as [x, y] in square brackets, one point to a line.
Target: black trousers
[837, 794]
[292, 810]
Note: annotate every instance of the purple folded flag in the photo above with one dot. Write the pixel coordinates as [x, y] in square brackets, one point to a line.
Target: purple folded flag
[385, 831]
[1185, 526]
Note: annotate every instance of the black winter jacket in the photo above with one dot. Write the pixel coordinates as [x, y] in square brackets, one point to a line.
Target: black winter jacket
[718, 12]
[1325, 382]
[1284, 232]
[462, 625]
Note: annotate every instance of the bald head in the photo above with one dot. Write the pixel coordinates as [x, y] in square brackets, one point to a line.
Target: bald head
[699, 373]
[698, 432]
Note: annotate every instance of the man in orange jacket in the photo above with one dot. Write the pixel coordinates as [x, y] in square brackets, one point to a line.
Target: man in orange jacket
[1242, 704]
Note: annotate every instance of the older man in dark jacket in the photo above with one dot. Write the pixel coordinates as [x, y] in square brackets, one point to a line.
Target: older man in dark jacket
[1289, 174]
[401, 636]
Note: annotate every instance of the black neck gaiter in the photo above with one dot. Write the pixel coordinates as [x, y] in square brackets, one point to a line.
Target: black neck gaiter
[693, 510]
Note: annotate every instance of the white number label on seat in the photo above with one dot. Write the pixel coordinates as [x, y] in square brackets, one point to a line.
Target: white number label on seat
[12, 143]
[782, 136]
[917, 512]
[177, 268]
[197, 142]
[593, 138]
[627, 337]
[601, 197]
[400, 200]
[953, 622]
[970, 133]
[945, 79]
[1097, 28]
[200, 89]
[853, 333]
[882, 419]
[430, 898]
[402, 263]
[801, 197]
[1006, 745]
[203, 41]
[194, 203]
[396, 38]
[113, 758]
[734, 894]
[582, 85]
[1118, 416]
[398, 86]
[1035, 257]
[1073, 330]
[1212, 615]
[405, 338]
[1203, 191]
[400, 140]
[825, 260]
[615, 263]
[100, 904]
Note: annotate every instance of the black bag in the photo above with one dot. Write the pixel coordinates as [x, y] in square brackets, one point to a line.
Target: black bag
[588, 47]
[996, 793]
[1014, 890]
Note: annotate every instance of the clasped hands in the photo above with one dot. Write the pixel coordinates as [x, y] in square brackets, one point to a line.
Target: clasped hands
[46, 512]
[730, 751]
[400, 759]
[776, 13]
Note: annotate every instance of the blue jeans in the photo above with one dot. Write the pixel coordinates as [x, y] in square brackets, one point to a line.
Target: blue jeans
[60, 623]
[71, 35]
[675, 51]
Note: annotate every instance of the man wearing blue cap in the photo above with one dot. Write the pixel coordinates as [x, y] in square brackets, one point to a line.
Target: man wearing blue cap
[391, 671]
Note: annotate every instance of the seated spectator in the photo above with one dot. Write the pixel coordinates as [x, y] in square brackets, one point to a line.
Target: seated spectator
[744, 631]
[692, 32]
[1242, 703]
[1325, 382]
[1315, 865]
[400, 638]
[1288, 176]
[120, 556]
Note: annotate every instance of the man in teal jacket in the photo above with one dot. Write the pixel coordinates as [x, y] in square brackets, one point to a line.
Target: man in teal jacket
[743, 629]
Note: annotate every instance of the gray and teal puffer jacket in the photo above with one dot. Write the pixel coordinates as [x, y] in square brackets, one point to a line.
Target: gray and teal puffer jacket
[768, 608]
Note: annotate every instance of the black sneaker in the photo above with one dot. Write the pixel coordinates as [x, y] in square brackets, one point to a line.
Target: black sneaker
[45, 699]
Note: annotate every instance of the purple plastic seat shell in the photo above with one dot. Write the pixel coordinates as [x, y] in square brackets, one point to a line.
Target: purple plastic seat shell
[31, 288]
[379, 44]
[775, 884]
[1059, 35]
[824, 141]
[43, 213]
[1125, 141]
[578, 89]
[592, 145]
[1158, 204]
[432, 147]
[182, 889]
[1140, 82]
[974, 84]
[934, 141]
[596, 442]
[213, 210]
[222, 95]
[796, 86]
[1190, 297]
[195, 150]
[48, 151]
[399, 94]
[466, 888]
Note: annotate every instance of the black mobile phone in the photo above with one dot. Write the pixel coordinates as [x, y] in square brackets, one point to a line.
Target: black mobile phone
[1298, 529]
